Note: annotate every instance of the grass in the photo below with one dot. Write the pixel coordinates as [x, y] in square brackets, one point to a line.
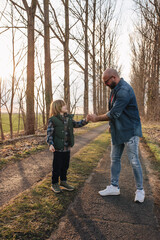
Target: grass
[151, 136]
[16, 152]
[36, 212]
[20, 155]
[6, 124]
[87, 127]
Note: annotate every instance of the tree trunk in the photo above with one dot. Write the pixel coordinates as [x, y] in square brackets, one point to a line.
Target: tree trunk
[36, 119]
[13, 76]
[105, 100]
[66, 58]
[43, 107]
[30, 115]
[86, 63]
[153, 87]
[94, 58]
[100, 60]
[19, 119]
[1, 128]
[48, 83]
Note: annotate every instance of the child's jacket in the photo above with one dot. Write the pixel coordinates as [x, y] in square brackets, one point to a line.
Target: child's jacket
[60, 131]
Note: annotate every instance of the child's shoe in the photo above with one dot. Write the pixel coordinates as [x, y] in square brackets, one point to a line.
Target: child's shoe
[66, 186]
[55, 188]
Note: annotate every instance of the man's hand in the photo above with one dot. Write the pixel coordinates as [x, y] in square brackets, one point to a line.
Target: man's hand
[51, 148]
[87, 118]
[92, 117]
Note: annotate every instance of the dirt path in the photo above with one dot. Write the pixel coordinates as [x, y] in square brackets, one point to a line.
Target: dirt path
[21, 175]
[93, 217]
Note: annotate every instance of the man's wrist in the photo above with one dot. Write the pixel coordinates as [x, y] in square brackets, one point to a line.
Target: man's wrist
[102, 118]
[85, 120]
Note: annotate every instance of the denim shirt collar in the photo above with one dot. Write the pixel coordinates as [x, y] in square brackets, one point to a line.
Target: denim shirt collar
[117, 86]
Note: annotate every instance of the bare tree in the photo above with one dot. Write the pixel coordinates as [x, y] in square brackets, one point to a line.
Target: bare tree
[95, 43]
[41, 100]
[94, 56]
[76, 99]
[66, 56]
[17, 58]
[48, 83]
[138, 73]
[1, 128]
[86, 62]
[63, 36]
[21, 112]
[30, 11]
[106, 48]
[30, 115]
[149, 46]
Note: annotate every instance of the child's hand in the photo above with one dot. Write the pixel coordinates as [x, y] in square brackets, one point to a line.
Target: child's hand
[51, 148]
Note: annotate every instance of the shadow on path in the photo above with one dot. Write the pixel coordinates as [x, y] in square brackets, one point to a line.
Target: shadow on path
[21, 175]
[94, 217]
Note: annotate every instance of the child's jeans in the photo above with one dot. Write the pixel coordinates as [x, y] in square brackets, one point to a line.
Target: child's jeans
[60, 166]
[132, 152]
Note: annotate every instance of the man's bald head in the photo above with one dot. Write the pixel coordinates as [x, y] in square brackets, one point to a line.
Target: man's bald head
[110, 72]
[110, 77]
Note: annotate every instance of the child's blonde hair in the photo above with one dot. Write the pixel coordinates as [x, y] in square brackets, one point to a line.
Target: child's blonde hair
[55, 107]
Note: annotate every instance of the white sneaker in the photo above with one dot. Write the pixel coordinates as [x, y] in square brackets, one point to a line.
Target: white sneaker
[110, 190]
[140, 195]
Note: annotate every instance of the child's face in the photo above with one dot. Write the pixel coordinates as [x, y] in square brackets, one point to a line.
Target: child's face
[64, 109]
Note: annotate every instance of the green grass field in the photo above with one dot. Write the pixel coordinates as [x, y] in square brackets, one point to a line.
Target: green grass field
[6, 125]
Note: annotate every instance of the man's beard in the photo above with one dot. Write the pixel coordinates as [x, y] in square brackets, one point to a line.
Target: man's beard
[112, 85]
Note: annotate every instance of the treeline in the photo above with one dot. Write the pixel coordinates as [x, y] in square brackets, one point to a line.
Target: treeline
[71, 41]
[145, 72]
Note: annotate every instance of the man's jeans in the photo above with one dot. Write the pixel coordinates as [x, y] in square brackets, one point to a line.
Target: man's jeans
[132, 152]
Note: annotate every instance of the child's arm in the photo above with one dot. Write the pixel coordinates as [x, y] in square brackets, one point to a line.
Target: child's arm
[50, 131]
[80, 123]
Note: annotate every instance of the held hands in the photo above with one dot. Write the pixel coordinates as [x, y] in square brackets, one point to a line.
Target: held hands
[51, 148]
[91, 117]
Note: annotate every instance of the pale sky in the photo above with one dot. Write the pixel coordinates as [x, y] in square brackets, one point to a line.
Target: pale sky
[127, 15]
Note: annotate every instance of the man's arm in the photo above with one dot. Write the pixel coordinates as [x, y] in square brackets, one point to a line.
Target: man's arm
[95, 118]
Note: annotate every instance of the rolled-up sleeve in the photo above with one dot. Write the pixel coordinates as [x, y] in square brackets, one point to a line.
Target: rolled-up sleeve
[122, 100]
[50, 131]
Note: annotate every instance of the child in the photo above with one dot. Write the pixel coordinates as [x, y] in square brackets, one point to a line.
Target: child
[60, 138]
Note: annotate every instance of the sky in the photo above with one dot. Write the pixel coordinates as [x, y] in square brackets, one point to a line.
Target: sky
[127, 16]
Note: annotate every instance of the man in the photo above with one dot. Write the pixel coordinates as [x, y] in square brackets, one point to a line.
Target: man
[125, 128]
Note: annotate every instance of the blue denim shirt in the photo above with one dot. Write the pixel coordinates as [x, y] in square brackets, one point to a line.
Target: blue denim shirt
[123, 113]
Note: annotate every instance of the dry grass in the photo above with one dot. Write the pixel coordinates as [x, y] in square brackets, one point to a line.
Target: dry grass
[151, 137]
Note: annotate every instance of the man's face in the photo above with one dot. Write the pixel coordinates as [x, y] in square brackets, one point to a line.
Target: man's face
[109, 81]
